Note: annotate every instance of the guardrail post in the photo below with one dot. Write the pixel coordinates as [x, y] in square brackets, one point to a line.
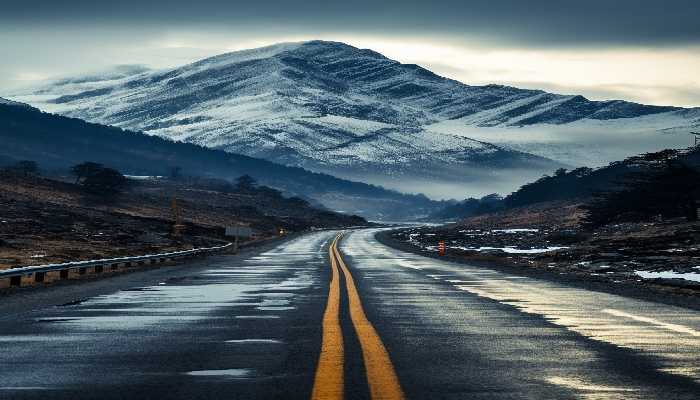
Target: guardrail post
[5, 283]
[52, 276]
[27, 279]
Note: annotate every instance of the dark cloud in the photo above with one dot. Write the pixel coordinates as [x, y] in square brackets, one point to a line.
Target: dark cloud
[526, 22]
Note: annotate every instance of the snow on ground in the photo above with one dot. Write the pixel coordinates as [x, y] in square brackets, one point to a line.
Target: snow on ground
[511, 250]
[688, 276]
[515, 230]
[479, 232]
[358, 126]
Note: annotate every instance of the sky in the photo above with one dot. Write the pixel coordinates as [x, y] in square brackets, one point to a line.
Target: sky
[644, 51]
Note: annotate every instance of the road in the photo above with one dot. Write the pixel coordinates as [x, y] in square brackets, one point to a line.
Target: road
[309, 319]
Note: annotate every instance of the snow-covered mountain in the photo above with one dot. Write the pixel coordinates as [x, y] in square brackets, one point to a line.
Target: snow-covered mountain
[354, 113]
[13, 103]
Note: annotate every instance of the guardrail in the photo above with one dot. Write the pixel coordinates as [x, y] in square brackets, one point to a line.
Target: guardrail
[50, 272]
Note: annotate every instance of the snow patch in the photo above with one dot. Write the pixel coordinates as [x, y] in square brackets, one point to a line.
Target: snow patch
[688, 276]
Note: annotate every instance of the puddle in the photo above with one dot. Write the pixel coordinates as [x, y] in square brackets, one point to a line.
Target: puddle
[233, 373]
[243, 341]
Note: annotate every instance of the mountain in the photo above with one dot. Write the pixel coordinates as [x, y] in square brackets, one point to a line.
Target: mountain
[580, 185]
[6, 102]
[57, 142]
[354, 113]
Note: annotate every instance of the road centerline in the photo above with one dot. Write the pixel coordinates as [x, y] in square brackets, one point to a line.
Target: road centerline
[329, 379]
[381, 375]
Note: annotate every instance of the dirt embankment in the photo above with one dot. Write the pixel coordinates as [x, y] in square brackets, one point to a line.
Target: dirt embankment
[45, 221]
[661, 256]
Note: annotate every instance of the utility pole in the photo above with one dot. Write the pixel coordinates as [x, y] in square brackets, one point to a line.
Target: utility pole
[177, 217]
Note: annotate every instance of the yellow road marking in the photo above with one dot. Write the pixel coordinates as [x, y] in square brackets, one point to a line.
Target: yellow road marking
[381, 376]
[328, 383]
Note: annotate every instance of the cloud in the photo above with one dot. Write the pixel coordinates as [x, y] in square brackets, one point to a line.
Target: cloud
[664, 76]
[512, 22]
[679, 95]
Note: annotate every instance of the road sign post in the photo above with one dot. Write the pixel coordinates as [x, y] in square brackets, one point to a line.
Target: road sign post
[238, 231]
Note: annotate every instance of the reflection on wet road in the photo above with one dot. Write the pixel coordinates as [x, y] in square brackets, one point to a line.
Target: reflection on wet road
[481, 332]
[229, 327]
[251, 327]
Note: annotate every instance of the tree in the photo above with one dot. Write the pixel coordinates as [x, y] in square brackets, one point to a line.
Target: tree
[668, 188]
[582, 172]
[105, 182]
[25, 168]
[246, 183]
[85, 170]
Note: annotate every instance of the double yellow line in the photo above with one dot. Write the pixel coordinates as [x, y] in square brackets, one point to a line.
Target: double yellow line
[329, 381]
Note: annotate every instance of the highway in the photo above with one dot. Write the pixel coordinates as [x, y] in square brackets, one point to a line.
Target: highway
[329, 316]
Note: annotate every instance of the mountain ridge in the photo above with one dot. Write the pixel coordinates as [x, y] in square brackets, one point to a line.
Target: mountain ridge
[57, 142]
[331, 107]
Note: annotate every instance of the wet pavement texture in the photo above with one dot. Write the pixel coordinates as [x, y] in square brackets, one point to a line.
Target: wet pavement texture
[457, 332]
[244, 327]
[228, 328]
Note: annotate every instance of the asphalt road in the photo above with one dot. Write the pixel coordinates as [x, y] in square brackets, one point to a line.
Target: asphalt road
[297, 320]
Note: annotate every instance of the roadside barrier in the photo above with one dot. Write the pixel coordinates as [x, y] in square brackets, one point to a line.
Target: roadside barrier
[25, 276]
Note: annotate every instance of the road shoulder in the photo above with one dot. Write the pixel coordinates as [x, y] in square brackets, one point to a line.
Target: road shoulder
[638, 290]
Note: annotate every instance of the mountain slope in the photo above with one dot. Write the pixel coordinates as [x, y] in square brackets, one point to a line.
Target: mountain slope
[352, 112]
[59, 142]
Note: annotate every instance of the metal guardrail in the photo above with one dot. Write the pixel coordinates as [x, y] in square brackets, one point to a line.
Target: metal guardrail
[7, 273]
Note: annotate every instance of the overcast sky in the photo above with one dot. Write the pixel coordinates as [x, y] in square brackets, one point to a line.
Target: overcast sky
[646, 51]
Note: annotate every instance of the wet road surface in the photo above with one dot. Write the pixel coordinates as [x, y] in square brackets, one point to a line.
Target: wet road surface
[226, 328]
[240, 327]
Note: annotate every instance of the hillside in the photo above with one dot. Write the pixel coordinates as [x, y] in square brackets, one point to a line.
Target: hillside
[577, 185]
[45, 220]
[634, 222]
[57, 142]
